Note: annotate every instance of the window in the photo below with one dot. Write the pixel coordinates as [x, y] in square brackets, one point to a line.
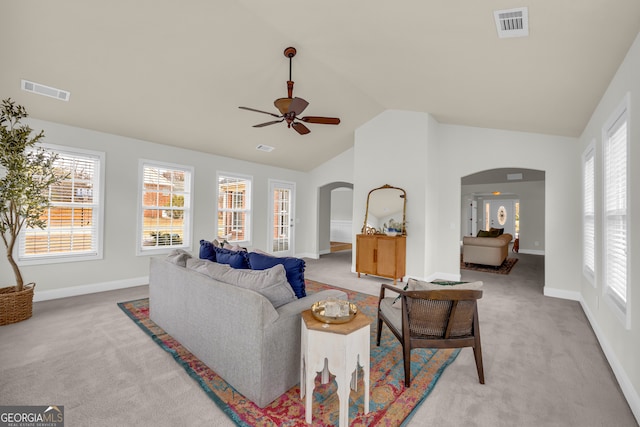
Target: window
[615, 231]
[165, 213]
[588, 213]
[73, 229]
[234, 207]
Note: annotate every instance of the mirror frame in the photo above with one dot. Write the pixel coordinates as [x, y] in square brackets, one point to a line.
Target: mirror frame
[371, 230]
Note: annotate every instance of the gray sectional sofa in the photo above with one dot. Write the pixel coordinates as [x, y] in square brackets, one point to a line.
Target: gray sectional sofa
[233, 329]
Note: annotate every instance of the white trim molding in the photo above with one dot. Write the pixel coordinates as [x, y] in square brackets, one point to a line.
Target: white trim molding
[633, 399]
[93, 288]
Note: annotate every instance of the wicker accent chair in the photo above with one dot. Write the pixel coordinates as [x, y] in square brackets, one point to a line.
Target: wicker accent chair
[432, 319]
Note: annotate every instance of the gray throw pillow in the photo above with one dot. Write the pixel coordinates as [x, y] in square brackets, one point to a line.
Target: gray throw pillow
[271, 282]
[195, 263]
[178, 257]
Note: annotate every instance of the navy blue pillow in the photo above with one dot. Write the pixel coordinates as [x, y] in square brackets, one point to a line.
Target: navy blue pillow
[294, 268]
[235, 259]
[206, 251]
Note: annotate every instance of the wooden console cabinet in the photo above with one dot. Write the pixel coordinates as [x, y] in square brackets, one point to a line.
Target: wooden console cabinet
[381, 255]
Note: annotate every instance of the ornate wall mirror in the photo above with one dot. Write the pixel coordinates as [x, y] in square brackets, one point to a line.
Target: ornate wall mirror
[385, 211]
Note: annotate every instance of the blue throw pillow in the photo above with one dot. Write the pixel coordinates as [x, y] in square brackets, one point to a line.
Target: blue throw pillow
[294, 267]
[235, 259]
[206, 250]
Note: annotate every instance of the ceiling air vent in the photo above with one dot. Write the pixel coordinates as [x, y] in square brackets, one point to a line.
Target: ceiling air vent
[265, 148]
[512, 22]
[49, 91]
[514, 176]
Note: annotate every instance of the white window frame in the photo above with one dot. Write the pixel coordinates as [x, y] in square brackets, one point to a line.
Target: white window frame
[589, 213]
[96, 252]
[141, 249]
[620, 306]
[247, 211]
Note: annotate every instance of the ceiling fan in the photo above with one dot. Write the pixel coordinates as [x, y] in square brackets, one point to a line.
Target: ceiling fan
[290, 108]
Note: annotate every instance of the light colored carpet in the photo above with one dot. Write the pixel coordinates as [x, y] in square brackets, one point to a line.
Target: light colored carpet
[543, 366]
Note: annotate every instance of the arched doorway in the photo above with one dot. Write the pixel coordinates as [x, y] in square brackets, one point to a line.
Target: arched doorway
[335, 213]
[514, 198]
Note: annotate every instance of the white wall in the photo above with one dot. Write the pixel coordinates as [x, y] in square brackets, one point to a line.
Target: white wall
[467, 150]
[341, 215]
[120, 266]
[433, 159]
[342, 204]
[392, 149]
[335, 173]
[621, 346]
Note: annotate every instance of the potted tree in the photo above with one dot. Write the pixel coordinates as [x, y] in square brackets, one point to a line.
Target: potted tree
[26, 172]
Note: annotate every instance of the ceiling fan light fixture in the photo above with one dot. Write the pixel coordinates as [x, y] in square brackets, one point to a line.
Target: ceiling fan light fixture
[282, 104]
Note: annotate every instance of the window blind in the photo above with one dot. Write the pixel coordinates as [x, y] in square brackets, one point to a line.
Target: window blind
[72, 219]
[588, 250]
[615, 212]
[165, 206]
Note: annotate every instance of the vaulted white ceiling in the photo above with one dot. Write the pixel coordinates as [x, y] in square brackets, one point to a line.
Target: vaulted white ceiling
[175, 72]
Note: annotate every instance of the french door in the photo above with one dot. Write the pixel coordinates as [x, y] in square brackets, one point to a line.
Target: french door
[281, 218]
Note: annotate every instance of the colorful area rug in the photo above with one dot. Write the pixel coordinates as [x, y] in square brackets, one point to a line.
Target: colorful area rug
[505, 268]
[391, 404]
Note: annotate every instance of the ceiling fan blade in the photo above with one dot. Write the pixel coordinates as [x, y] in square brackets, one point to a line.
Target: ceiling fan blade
[261, 125]
[321, 120]
[300, 128]
[298, 105]
[259, 111]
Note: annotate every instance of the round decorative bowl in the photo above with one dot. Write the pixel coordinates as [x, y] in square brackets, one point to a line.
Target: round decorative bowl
[319, 312]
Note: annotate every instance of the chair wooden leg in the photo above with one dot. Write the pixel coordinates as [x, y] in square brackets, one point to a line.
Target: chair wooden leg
[477, 352]
[379, 331]
[406, 353]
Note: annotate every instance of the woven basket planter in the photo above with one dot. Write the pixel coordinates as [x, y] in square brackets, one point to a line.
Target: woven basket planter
[16, 306]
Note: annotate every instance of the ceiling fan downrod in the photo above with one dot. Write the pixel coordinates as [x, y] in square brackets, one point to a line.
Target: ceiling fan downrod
[290, 52]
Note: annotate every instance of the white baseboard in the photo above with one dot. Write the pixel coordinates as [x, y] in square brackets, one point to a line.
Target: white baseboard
[310, 255]
[633, 399]
[73, 291]
[562, 294]
[531, 251]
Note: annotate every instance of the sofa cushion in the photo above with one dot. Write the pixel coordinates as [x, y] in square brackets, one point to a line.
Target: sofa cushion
[236, 259]
[271, 282]
[484, 233]
[207, 250]
[294, 268]
[178, 257]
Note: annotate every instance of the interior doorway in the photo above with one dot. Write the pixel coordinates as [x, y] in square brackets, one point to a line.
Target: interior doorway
[509, 198]
[335, 215]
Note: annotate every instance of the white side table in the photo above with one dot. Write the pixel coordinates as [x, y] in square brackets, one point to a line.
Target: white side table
[344, 346]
